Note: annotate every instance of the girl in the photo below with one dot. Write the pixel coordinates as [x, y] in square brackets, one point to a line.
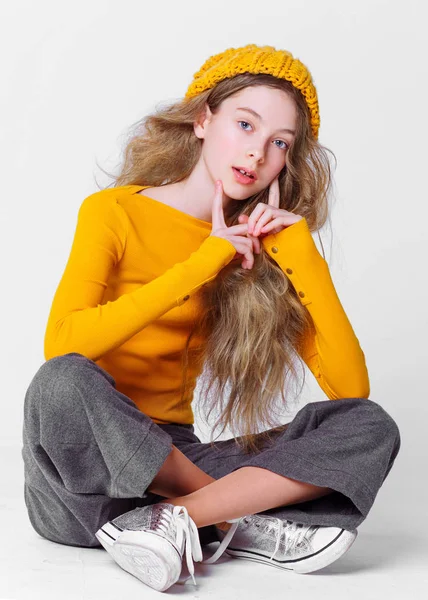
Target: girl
[201, 255]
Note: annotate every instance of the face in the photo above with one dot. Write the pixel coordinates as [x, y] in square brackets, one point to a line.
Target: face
[235, 137]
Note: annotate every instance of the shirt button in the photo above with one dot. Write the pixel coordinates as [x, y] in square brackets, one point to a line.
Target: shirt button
[289, 270]
[302, 294]
[186, 297]
[274, 249]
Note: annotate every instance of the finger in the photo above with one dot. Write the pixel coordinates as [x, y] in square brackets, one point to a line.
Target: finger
[218, 221]
[248, 261]
[254, 239]
[238, 229]
[243, 244]
[255, 215]
[249, 256]
[274, 226]
[262, 221]
[256, 244]
[274, 193]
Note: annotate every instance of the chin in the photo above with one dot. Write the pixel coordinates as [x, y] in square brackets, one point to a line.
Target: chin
[241, 193]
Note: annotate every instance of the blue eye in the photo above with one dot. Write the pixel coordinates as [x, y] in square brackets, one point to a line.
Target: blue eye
[244, 122]
[280, 147]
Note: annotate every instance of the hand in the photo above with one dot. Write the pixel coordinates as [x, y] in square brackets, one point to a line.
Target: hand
[269, 218]
[236, 235]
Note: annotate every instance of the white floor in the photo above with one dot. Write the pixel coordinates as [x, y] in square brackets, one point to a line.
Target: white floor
[387, 561]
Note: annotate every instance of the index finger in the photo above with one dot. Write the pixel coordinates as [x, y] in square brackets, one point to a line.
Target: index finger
[274, 193]
[217, 207]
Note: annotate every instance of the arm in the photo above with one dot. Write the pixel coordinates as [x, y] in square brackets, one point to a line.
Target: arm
[332, 352]
[79, 323]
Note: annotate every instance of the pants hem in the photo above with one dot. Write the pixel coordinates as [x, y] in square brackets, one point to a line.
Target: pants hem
[139, 472]
[305, 471]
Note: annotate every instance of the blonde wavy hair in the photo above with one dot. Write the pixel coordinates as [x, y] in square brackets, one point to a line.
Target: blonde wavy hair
[252, 324]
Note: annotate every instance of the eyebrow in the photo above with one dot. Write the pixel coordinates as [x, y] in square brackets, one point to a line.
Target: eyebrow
[255, 114]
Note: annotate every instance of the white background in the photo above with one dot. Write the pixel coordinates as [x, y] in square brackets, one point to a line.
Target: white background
[75, 76]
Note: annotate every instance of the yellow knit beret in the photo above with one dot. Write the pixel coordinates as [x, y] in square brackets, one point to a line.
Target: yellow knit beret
[258, 59]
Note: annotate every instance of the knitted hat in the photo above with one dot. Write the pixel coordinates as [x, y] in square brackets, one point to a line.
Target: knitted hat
[258, 59]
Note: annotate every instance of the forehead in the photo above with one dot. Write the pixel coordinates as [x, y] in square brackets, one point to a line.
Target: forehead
[272, 104]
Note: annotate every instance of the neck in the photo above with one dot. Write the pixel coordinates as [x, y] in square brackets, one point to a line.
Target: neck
[195, 194]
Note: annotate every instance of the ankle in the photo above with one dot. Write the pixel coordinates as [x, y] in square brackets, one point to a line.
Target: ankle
[224, 526]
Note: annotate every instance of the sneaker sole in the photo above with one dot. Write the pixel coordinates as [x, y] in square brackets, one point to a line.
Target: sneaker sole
[318, 560]
[148, 556]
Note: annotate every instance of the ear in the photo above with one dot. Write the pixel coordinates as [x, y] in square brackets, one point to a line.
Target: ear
[203, 120]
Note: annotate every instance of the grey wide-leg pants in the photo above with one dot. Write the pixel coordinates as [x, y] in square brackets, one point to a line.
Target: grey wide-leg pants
[90, 454]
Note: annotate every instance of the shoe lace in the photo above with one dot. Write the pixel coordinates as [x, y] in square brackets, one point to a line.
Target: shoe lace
[224, 543]
[294, 534]
[186, 534]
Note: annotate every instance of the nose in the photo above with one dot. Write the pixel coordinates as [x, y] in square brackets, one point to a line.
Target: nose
[258, 155]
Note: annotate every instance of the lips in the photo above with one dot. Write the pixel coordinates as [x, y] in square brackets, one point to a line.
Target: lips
[250, 172]
[242, 179]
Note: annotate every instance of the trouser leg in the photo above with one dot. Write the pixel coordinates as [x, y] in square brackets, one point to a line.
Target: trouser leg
[89, 453]
[348, 445]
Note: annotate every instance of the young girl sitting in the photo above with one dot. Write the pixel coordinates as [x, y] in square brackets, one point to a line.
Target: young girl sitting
[201, 256]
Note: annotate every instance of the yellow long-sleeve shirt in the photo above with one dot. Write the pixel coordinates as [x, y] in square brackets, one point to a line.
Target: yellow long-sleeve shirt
[128, 298]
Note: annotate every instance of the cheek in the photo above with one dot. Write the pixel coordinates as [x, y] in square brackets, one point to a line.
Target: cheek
[223, 146]
[279, 160]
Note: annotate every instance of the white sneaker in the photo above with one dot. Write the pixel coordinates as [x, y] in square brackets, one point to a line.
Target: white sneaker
[283, 543]
[149, 543]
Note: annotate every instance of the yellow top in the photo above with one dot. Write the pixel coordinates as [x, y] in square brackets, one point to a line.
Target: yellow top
[128, 298]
